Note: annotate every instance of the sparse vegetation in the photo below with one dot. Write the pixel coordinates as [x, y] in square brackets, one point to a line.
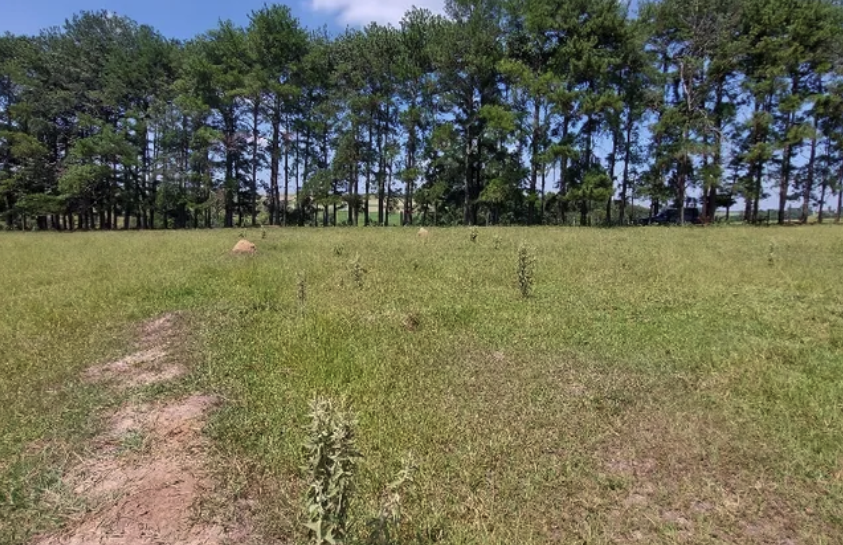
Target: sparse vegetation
[385, 529]
[301, 290]
[526, 269]
[358, 272]
[660, 383]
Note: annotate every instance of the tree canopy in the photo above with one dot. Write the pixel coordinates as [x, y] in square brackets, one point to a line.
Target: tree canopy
[498, 111]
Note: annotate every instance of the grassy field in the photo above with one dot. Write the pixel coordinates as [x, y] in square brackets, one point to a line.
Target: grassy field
[661, 385]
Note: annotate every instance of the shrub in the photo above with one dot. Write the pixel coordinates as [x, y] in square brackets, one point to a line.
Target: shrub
[358, 272]
[473, 233]
[526, 269]
[385, 528]
[331, 462]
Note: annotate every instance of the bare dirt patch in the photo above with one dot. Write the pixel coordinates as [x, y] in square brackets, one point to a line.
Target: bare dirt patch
[151, 496]
[152, 363]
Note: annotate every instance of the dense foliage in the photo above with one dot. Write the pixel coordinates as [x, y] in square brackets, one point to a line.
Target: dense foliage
[501, 111]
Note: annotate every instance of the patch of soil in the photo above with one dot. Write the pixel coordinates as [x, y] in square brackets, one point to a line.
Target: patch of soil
[244, 247]
[150, 497]
[159, 331]
[151, 364]
[411, 322]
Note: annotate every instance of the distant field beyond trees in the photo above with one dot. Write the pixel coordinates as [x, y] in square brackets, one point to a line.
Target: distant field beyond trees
[498, 112]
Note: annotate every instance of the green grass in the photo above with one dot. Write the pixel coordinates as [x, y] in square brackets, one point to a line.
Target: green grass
[659, 386]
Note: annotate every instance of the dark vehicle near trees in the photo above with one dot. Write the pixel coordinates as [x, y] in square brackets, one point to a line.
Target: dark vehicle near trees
[670, 216]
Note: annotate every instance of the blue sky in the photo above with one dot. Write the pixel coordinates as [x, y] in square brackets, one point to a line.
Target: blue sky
[186, 18]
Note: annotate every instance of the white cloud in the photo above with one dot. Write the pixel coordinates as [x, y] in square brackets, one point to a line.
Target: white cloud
[363, 12]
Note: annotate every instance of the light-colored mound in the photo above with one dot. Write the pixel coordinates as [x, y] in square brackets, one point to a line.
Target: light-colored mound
[244, 247]
[424, 233]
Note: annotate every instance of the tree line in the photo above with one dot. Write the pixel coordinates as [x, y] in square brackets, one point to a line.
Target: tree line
[498, 111]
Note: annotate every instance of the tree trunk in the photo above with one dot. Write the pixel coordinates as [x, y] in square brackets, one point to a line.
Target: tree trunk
[275, 158]
[681, 188]
[563, 174]
[809, 183]
[285, 205]
[10, 216]
[787, 156]
[626, 161]
[383, 144]
[230, 179]
[839, 205]
[839, 195]
[144, 180]
[784, 183]
[823, 188]
[613, 160]
[469, 177]
[534, 162]
[388, 194]
[305, 173]
[354, 211]
[369, 168]
[411, 163]
[255, 159]
[544, 187]
[711, 197]
[298, 174]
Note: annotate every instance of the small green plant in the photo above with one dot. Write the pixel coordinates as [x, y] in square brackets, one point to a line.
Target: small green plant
[301, 290]
[339, 250]
[263, 232]
[526, 269]
[358, 272]
[331, 463]
[473, 233]
[771, 254]
[496, 240]
[132, 442]
[385, 528]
